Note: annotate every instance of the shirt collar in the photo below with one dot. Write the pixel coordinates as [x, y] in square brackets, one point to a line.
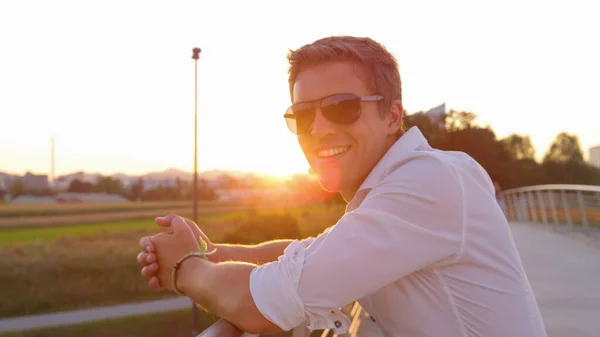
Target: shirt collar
[407, 143]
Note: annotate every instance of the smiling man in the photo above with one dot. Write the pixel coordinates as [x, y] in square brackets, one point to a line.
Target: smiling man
[423, 245]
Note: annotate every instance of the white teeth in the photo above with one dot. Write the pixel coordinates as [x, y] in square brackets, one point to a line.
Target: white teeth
[332, 152]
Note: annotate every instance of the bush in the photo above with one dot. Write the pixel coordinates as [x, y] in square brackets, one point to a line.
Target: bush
[261, 228]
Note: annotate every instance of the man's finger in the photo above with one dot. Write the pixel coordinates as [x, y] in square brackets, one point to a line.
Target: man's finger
[165, 221]
[150, 270]
[141, 258]
[147, 244]
[154, 283]
[146, 258]
[180, 226]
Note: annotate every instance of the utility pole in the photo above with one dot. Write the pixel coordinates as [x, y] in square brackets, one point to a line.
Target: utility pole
[52, 162]
[195, 57]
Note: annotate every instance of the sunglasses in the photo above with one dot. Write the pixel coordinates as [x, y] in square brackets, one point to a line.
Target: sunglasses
[338, 108]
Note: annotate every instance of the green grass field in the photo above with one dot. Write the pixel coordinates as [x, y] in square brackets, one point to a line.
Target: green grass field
[9, 211]
[33, 235]
[75, 267]
[21, 217]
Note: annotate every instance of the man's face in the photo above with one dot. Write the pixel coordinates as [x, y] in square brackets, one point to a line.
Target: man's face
[342, 155]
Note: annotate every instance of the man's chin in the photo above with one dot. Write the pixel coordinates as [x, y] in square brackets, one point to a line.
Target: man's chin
[329, 182]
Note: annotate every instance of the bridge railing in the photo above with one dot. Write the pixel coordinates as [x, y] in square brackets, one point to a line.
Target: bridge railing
[576, 206]
[223, 328]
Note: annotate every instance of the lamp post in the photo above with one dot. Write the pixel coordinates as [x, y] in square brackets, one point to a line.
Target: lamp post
[195, 56]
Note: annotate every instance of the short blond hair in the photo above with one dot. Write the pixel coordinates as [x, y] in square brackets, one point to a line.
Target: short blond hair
[379, 67]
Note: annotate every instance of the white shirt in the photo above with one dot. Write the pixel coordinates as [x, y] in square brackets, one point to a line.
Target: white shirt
[424, 248]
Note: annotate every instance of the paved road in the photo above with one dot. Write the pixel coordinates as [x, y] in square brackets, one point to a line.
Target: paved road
[564, 271]
[93, 314]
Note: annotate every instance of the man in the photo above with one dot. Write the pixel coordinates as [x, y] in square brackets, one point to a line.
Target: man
[423, 245]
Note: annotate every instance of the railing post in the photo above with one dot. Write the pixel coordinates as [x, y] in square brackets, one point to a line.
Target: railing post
[502, 202]
[523, 207]
[510, 206]
[581, 203]
[542, 206]
[553, 207]
[517, 206]
[506, 209]
[223, 328]
[566, 207]
[300, 331]
[597, 205]
[532, 206]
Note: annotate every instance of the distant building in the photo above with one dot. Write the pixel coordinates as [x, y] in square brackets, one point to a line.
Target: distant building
[436, 115]
[61, 184]
[33, 200]
[595, 156]
[35, 182]
[6, 181]
[71, 198]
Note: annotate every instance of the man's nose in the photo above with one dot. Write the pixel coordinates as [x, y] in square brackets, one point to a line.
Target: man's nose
[321, 126]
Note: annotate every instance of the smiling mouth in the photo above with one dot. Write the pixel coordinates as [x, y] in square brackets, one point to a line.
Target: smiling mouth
[332, 152]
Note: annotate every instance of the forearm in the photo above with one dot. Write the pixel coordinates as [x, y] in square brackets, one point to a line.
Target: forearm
[224, 290]
[256, 254]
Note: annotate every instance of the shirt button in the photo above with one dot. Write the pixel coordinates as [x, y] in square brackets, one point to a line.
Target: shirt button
[338, 324]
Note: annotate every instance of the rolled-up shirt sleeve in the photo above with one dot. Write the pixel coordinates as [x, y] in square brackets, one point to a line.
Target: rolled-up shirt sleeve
[412, 219]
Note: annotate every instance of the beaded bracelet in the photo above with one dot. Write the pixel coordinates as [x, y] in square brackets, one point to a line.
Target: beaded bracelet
[202, 254]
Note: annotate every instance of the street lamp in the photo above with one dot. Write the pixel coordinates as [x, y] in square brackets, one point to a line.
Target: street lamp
[195, 56]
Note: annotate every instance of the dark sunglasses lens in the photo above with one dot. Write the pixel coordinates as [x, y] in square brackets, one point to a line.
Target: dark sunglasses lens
[303, 117]
[341, 109]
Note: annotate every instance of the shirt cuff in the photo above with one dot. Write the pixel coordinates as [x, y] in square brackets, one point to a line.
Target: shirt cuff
[274, 289]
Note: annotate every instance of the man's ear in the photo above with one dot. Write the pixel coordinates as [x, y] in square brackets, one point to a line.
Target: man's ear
[395, 117]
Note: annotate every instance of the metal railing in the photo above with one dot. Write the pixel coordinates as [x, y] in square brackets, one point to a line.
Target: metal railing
[223, 328]
[357, 314]
[576, 206]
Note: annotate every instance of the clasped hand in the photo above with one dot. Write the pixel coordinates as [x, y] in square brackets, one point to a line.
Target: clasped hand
[161, 252]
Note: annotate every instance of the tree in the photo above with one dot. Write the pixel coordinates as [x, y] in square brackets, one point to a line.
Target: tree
[204, 193]
[519, 146]
[528, 172]
[511, 161]
[78, 186]
[108, 185]
[459, 120]
[434, 134]
[162, 193]
[17, 188]
[482, 145]
[564, 149]
[137, 189]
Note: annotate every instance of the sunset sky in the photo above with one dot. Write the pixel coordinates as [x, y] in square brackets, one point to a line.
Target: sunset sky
[113, 81]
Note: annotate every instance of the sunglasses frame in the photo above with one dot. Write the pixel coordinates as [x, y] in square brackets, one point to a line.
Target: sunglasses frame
[317, 105]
